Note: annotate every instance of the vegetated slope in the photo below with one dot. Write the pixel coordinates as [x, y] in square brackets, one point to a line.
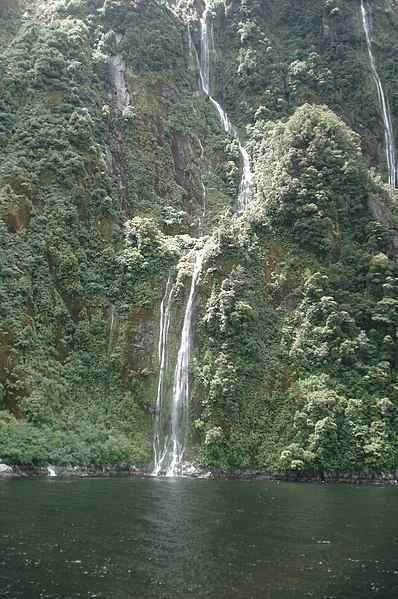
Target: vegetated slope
[300, 329]
[295, 356]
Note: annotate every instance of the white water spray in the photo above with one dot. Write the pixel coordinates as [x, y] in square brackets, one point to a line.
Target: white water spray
[179, 415]
[51, 471]
[245, 187]
[165, 308]
[111, 329]
[169, 448]
[385, 108]
[169, 457]
[112, 323]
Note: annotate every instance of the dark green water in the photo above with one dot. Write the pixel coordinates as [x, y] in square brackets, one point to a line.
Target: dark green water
[167, 538]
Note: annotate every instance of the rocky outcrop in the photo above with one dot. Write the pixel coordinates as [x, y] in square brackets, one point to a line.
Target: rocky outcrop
[140, 339]
[382, 213]
[187, 175]
[6, 470]
[167, 91]
[118, 68]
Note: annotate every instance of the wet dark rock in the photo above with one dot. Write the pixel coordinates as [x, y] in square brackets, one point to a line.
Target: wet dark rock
[187, 174]
[108, 159]
[122, 470]
[140, 338]
[81, 471]
[118, 68]
[382, 213]
[167, 91]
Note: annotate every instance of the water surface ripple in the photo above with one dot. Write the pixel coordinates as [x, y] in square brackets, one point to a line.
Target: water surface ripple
[176, 538]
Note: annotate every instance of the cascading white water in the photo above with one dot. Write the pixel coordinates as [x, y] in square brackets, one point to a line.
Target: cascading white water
[169, 448]
[111, 329]
[385, 108]
[245, 187]
[51, 471]
[165, 308]
[112, 323]
[169, 455]
[204, 63]
[179, 414]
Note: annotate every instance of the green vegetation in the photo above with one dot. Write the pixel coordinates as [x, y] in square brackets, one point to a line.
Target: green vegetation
[295, 357]
[299, 368]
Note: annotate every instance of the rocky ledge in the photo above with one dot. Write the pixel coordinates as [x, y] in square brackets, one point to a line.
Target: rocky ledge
[6, 470]
[78, 471]
[124, 470]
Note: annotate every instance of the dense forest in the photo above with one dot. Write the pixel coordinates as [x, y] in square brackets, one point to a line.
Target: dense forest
[107, 185]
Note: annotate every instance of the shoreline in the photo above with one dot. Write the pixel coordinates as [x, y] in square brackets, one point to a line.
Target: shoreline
[126, 471]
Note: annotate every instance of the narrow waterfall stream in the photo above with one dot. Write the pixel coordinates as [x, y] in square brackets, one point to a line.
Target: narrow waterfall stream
[111, 329]
[245, 187]
[160, 449]
[384, 106]
[179, 413]
[169, 447]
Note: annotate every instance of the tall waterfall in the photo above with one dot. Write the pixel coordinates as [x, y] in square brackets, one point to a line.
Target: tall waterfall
[245, 187]
[165, 308]
[169, 449]
[385, 108]
[169, 446]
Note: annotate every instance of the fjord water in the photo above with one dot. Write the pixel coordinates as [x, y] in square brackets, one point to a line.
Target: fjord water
[176, 538]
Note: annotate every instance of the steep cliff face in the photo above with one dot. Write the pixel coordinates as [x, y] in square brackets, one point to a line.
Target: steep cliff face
[113, 164]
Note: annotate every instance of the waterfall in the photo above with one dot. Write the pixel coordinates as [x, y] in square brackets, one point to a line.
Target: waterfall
[385, 108]
[165, 308]
[169, 454]
[51, 471]
[245, 187]
[194, 60]
[169, 448]
[111, 328]
[204, 64]
[179, 416]
[112, 323]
